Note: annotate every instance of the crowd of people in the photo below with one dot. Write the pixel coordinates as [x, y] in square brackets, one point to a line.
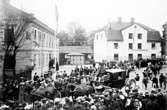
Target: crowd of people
[83, 89]
[152, 74]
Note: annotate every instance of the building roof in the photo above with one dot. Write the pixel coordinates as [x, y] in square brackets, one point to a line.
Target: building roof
[75, 54]
[116, 33]
[75, 49]
[115, 70]
[114, 29]
[15, 11]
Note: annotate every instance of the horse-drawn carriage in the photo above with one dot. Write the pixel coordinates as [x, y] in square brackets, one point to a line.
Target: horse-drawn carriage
[115, 78]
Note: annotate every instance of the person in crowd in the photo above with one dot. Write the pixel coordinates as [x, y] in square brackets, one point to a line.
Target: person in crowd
[36, 77]
[145, 81]
[165, 81]
[21, 92]
[92, 95]
[161, 79]
[155, 82]
[137, 78]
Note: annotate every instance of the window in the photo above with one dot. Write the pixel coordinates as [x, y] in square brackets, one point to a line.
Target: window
[139, 56]
[97, 37]
[115, 45]
[139, 46]
[153, 56]
[116, 57]
[130, 46]
[130, 57]
[44, 40]
[153, 45]
[35, 32]
[139, 36]
[130, 35]
[39, 37]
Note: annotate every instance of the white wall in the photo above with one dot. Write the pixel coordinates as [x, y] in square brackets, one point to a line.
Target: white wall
[156, 50]
[135, 30]
[104, 49]
[120, 51]
[100, 47]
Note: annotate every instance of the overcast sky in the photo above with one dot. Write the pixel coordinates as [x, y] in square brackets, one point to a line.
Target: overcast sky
[93, 14]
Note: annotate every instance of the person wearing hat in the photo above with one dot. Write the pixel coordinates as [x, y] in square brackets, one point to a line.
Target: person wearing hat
[137, 78]
[137, 104]
[145, 81]
[36, 77]
[161, 79]
[155, 82]
[21, 92]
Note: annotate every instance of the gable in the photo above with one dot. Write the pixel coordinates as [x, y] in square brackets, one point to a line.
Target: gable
[152, 35]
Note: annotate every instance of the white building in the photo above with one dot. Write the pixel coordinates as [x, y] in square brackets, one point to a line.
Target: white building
[120, 41]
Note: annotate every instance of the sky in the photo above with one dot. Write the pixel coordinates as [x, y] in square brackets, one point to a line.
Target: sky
[94, 14]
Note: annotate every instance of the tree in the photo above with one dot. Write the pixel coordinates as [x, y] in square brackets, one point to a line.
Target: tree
[78, 34]
[64, 38]
[16, 33]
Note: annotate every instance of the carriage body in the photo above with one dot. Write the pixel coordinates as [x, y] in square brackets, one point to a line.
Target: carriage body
[116, 78]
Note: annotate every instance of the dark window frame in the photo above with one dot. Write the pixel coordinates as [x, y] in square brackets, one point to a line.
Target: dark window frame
[130, 45]
[116, 56]
[130, 35]
[153, 45]
[153, 55]
[139, 56]
[115, 45]
[130, 57]
[139, 36]
[139, 46]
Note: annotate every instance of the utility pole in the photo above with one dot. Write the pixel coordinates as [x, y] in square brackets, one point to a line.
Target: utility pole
[56, 31]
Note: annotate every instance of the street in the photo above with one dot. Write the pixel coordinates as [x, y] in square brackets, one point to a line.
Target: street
[132, 75]
[141, 86]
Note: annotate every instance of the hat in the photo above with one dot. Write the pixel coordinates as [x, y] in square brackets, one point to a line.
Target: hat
[99, 87]
[153, 91]
[147, 93]
[57, 100]
[22, 83]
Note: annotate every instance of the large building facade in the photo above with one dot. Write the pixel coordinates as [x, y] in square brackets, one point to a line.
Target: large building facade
[123, 41]
[39, 48]
[164, 48]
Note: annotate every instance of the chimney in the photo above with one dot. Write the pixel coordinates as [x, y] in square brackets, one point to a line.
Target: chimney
[132, 20]
[119, 19]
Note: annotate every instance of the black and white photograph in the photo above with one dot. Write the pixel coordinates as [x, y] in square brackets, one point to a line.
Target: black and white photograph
[83, 55]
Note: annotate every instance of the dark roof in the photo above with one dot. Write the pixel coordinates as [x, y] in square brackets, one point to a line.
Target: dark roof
[153, 36]
[115, 25]
[113, 31]
[116, 33]
[75, 49]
